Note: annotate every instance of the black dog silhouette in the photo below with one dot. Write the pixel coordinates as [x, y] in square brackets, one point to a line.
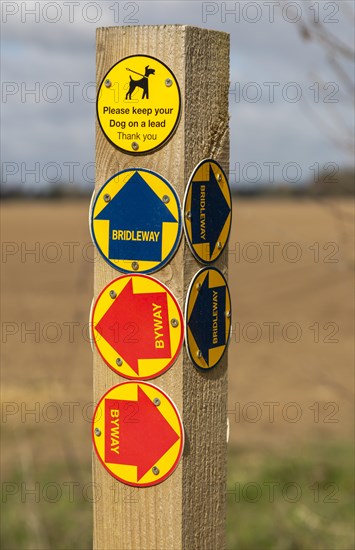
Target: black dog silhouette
[142, 83]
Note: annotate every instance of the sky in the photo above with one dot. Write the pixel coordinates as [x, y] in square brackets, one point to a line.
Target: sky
[280, 86]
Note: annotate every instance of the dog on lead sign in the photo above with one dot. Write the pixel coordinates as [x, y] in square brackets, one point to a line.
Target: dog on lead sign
[139, 104]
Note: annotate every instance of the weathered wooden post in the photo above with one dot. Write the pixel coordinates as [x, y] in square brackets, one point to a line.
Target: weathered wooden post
[186, 510]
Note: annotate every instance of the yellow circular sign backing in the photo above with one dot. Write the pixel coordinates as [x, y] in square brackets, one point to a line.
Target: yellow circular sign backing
[138, 434]
[207, 211]
[207, 318]
[137, 326]
[138, 104]
[136, 221]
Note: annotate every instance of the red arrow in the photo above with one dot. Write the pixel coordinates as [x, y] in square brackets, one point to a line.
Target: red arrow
[137, 326]
[136, 433]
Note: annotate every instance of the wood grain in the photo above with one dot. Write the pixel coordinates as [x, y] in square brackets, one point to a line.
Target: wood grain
[187, 511]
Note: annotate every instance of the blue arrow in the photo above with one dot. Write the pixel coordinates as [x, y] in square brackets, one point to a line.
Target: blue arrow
[136, 208]
[216, 211]
[209, 310]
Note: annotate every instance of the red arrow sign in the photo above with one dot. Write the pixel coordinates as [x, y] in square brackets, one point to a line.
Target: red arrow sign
[136, 433]
[137, 326]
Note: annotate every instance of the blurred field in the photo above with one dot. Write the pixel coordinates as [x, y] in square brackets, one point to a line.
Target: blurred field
[290, 374]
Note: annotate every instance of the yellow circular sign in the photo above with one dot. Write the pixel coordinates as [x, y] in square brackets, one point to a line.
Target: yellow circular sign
[136, 221]
[137, 326]
[207, 211]
[138, 434]
[138, 104]
[207, 318]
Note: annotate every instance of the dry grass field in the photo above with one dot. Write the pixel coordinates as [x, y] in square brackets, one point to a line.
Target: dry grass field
[290, 372]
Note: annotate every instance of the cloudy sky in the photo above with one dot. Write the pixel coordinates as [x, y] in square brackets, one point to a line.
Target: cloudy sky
[48, 74]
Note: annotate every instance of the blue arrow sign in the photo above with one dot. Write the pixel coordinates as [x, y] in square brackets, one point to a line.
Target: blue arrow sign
[209, 210]
[136, 215]
[207, 320]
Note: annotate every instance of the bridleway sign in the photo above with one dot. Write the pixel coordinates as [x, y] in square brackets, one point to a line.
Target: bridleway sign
[136, 221]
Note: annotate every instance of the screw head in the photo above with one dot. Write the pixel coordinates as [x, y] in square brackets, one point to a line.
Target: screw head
[107, 197]
[135, 266]
[228, 314]
[174, 323]
[135, 146]
[199, 353]
[108, 83]
[156, 401]
[119, 362]
[188, 215]
[113, 294]
[168, 82]
[219, 245]
[219, 177]
[97, 432]
[155, 470]
[198, 286]
[165, 199]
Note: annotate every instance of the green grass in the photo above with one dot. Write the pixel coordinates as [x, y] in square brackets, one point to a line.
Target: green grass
[318, 479]
[301, 500]
[56, 515]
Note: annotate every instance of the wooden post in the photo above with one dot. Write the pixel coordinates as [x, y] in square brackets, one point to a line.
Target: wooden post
[187, 510]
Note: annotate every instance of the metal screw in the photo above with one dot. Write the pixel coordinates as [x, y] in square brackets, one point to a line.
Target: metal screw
[174, 323]
[219, 177]
[219, 245]
[198, 286]
[108, 83]
[119, 362]
[97, 431]
[156, 401]
[135, 266]
[168, 82]
[165, 199]
[188, 215]
[107, 197]
[113, 294]
[199, 353]
[155, 470]
[135, 146]
[228, 314]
